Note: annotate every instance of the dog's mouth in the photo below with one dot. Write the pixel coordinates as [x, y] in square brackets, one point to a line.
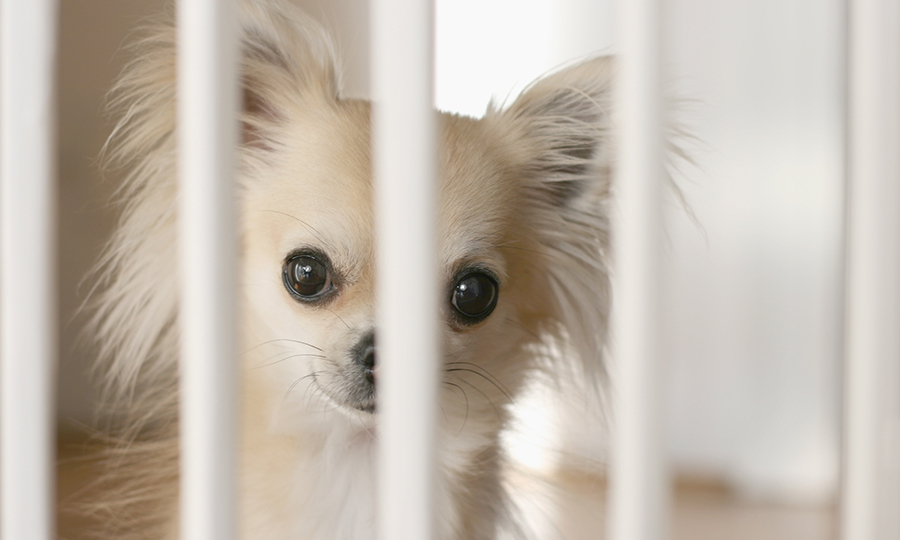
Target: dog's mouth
[348, 379]
[352, 396]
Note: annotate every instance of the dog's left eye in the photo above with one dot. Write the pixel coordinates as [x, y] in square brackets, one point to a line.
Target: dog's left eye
[474, 296]
[306, 277]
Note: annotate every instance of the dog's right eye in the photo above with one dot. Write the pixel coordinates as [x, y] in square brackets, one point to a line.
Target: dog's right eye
[306, 277]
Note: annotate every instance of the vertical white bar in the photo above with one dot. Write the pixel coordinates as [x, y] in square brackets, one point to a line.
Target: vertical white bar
[873, 268]
[407, 288]
[28, 169]
[638, 486]
[207, 130]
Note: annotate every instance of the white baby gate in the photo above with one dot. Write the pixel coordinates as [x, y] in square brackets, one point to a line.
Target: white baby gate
[404, 135]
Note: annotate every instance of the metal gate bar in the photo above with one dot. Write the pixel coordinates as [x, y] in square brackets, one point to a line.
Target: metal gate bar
[207, 132]
[638, 487]
[404, 150]
[872, 344]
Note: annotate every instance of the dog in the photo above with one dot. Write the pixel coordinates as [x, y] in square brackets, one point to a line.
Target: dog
[524, 248]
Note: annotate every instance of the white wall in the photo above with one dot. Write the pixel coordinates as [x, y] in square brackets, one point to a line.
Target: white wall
[754, 327]
[490, 49]
[752, 317]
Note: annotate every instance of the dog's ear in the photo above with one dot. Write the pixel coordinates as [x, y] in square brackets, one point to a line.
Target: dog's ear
[287, 60]
[559, 145]
[561, 129]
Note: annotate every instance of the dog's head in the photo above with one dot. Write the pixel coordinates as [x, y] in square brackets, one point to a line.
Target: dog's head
[522, 225]
[522, 230]
[522, 264]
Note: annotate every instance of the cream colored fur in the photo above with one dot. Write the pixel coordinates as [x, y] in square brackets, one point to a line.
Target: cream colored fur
[524, 193]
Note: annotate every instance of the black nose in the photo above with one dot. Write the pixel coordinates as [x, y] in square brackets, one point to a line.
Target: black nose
[369, 363]
[365, 356]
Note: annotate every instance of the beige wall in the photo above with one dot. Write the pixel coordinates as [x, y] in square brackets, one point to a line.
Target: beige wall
[91, 35]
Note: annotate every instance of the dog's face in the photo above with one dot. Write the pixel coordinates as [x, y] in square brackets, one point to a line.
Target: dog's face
[522, 233]
[309, 267]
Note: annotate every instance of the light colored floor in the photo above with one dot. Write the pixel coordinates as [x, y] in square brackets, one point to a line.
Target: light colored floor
[75, 471]
[701, 510]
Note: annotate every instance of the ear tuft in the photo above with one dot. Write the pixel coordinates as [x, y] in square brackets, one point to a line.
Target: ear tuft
[558, 140]
[562, 122]
[287, 59]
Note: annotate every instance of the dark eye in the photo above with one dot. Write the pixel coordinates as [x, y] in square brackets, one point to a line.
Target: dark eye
[306, 276]
[474, 296]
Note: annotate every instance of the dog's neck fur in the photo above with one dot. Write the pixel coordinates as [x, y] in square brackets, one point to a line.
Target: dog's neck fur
[329, 491]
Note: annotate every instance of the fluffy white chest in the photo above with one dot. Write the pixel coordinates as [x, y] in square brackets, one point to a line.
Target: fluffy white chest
[319, 487]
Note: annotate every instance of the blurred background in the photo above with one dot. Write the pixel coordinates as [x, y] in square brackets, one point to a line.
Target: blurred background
[752, 324]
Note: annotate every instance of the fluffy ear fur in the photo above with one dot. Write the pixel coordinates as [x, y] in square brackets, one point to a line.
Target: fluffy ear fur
[287, 61]
[284, 56]
[561, 140]
[565, 122]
